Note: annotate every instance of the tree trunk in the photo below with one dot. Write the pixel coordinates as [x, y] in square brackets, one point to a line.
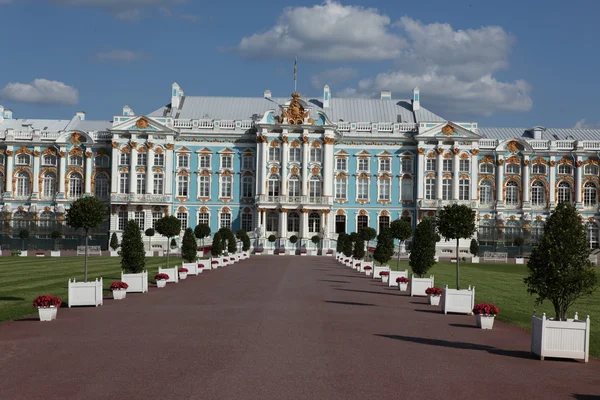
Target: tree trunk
[86, 254]
[561, 311]
[457, 266]
[168, 248]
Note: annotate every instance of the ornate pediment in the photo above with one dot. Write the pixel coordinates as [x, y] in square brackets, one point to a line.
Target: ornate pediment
[295, 113]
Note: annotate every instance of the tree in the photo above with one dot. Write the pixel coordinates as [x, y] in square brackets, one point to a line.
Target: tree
[227, 234]
[173, 243]
[132, 253]
[359, 248]
[56, 235]
[189, 246]
[456, 222]
[217, 245]
[339, 246]
[272, 239]
[367, 234]
[168, 226]
[519, 241]
[401, 230]
[422, 253]
[23, 234]
[150, 232]
[559, 266]
[202, 231]
[293, 239]
[114, 241]
[86, 213]
[385, 246]
[347, 246]
[474, 248]
[242, 235]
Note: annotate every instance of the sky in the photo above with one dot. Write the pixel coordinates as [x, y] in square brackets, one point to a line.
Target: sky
[500, 63]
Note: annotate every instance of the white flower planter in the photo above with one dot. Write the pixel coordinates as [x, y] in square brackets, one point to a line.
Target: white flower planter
[46, 313]
[161, 283]
[377, 270]
[203, 265]
[402, 286]
[302, 254]
[458, 301]
[356, 265]
[149, 253]
[475, 260]
[55, 253]
[368, 272]
[114, 253]
[172, 272]
[270, 252]
[484, 321]
[40, 254]
[385, 278]
[119, 294]
[434, 300]
[418, 286]
[191, 267]
[219, 262]
[23, 253]
[519, 260]
[329, 254]
[363, 264]
[314, 252]
[395, 275]
[85, 293]
[183, 275]
[560, 339]
[54, 311]
[137, 283]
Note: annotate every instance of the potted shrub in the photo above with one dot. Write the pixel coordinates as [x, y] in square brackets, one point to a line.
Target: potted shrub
[272, 239]
[368, 270]
[422, 257]
[150, 232]
[47, 306]
[519, 241]
[161, 280]
[316, 239]
[56, 235]
[183, 273]
[434, 294]
[293, 240]
[474, 250]
[402, 283]
[384, 276]
[119, 290]
[114, 245]
[133, 259]
[484, 315]
[303, 251]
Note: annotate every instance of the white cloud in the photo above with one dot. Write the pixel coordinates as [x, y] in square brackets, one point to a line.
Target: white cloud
[333, 77]
[582, 124]
[121, 56]
[40, 91]
[126, 10]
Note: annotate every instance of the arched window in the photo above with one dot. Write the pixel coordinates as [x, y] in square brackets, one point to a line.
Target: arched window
[48, 185]
[75, 160]
[272, 221]
[447, 189]
[564, 192]
[314, 187]
[182, 186]
[406, 189]
[247, 187]
[49, 159]
[430, 189]
[20, 221]
[512, 230]
[486, 193]
[23, 184]
[539, 169]
[45, 221]
[247, 221]
[273, 185]
[101, 186]
[565, 169]
[486, 230]
[293, 222]
[294, 186]
[590, 170]
[590, 194]
[75, 186]
[315, 154]
[384, 222]
[463, 189]
[512, 193]
[486, 168]
[538, 194]
[537, 229]
[362, 221]
[314, 223]
[592, 231]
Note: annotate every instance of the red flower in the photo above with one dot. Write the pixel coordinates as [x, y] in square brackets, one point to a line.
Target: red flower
[161, 277]
[214, 262]
[357, 265]
[485, 309]
[384, 273]
[185, 270]
[200, 266]
[402, 279]
[434, 291]
[232, 259]
[45, 300]
[118, 286]
[368, 268]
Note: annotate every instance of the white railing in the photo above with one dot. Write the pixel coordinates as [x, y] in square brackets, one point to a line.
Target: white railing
[22, 135]
[565, 144]
[142, 198]
[227, 124]
[101, 136]
[363, 127]
[343, 126]
[2, 135]
[205, 124]
[540, 144]
[294, 200]
[591, 145]
[246, 124]
[442, 203]
[408, 127]
[182, 123]
[383, 127]
[488, 143]
[49, 135]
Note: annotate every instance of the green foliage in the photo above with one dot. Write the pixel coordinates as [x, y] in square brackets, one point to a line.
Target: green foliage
[56, 235]
[23, 234]
[401, 230]
[189, 246]
[217, 245]
[347, 246]
[316, 239]
[114, 241]
[168, 226]
[149, 232]
[173, 243]
[240, 233]
[231, 243]
[246, 243]
[339, 246]
[358, 251]
[474, 248]
[367, 233]
[519, 242]
[559, 266]
[456, 222]
[202, 231]
[133, 258]
[422, 254]
[293, 239]
[272, 239]
[385, 246]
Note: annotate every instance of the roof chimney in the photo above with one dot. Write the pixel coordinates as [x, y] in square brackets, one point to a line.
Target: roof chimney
[176, 95]
[8, 114]
[386, 95]
[416, 103]
[537, 132]
[81, 115]
[128, 111]
[267, 94]
[326, 96]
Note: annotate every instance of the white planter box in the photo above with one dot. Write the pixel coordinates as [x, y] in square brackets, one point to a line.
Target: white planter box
[23, 253]
[434, 300]
[114, 253]
[475, 260]
[329, 254]
[119, 294]
[385, 278]
[192, 268]
[217, 264]
[561, 339]
[40, 254]
[205, 264]
[519, 260]
[348, 262]
[484, 321]
[137, 283]
[161, 283]
[369, 272]
[458, 301]
[356, 264]
[238, 257]
[85, 293]
[182, 276]
[232, 259]
[270, 252]
[402, 286]
[291, 252]
[246, 255]
[149, 254]
[395, 275]
[363, 264]
[303, 254]
[314, 252]
[418, 286]
[377, 270]
[55, 253]
[172, 272]
[46, 313]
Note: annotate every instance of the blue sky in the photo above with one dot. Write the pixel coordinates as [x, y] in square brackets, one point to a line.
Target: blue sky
[509, 63]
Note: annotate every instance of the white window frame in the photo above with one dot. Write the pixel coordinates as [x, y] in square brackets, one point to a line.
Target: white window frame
[204, 161]
[158, 186]
[385, 165]
[486, 168]
[203, 182]
[226, 186]
[361, 185]
[406, 165]
[226, 161]
[183, 186]
[341, 164]
[464, 165]
[539, 169]
[341, 188]
[183, 160]
[52, 159]
[295, 154]
[384, 189]
[23, 159]
[430, 164]
[406, 189]
[363, 164]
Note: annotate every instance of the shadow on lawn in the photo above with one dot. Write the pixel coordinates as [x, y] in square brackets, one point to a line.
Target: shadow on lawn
[461, 345]
[11, 298]
[349, 303]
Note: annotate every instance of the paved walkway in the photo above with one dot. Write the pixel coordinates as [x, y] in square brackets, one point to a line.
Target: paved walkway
[277, 328]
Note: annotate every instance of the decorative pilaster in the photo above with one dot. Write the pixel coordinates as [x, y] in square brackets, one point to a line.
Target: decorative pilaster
[36, 173]
[526, 178]
[578, 166]
[420, 173]
[304, 224]
[169, 168]
[62, 171]
[114, 160]
[150, 166]
[284, 161]
[9, 168]
[455, 173]
[283, 213]
[474, 174]
[500, 180]
[88, 172]
[305, 149]
[439, 174]
[263, 149]
[132, 169]
[552, 192]
[328, 167]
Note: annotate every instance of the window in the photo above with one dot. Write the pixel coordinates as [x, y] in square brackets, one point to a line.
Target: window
[384, 189]
[158, 184]
[315, 154]
[138, 217]
[486, 194]
[101, 186]
[75, 186]
[430, 189]
[406, 167]
[512, 193]
[538, 194]
[124, 159]
[385, 165]
[565, 169]
[447, 165]
[142, 159]
[314, 223]
[463, 189]
[362, 189]
[204, 186]
[100, 161]
[183, 218]
[513, 169]
[182, 185]
[295, 154]
[590, 194]
[50, 159]
[464, 165]
[159, 159]
[2, 159]
[406, 189]
[340, 224]
[121, 220]
[247, 187]
[124, 183]
[156, 215]
[75, 160]
[273, 185]
[141, 183]
[23, 184]
[49, 186]
[430, 164]
[225, 220]
[203, 218]
[1, 183]
[363, 165]
[248, 162]
[486, 168]
[447, 189]
[204, 161]
[564, 192]
[539, 169]
[22, 159]
[341, 189]
[384, 222]
[226, 184]
[361, 222]
[294, 186]
[314, 186]
[226, 162]
[590, 170]
[272, 221]
[341, 163]
[593, 234]
[274, 154]
[183, 161]
[293, 222]
[247, 223]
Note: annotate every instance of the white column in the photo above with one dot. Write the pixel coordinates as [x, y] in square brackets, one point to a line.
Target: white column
[474, 175]
[36, 172]
[114, 181]
[132, 170]
[304, 224]
[439, 175]
[9, 169]
[328, 167]
[420, 173]
[526, 189]
[305, 149]
[284, 161]
[149, 173]
[282, 224]
[552, 199]
[88, 172]
[264, 149]
[62, 170]
[500, 179]
[455, 174]
[578, 166]
[169, 169]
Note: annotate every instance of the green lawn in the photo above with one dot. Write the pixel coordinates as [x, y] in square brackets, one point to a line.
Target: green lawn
[502, 284]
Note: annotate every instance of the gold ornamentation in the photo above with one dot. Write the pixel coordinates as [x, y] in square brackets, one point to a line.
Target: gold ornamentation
[284, 139]
[513, 160]
[500, 162]
[579, 164]
[274, 143]
[76, 138]
[512, 146]
[447, 155]
[431, 154]
[385, 213]
[133, 144]
[125, 149]
[475, 152]
[47, 209]
[123, 169]
[565, 161]
[362, 213]
[142, 123]
[326, 212]
[115, 145]
[89, 154]
[448, 130]
[149, 145]
[340, 212]
[305, 139]
[62, 154]
[20, 208]
[295, 170]
[295, 144]
[295, 113]
[464, 156]
[36, 153]
[538, 218]
[329, 140]
[447, 176]
[24, 150]
[274, 170]
[141, 149]
[169, 146]
[440, 150]
[540, 160]
[420, 150]
[315, 170]
[526, 163]
[486, 216]
[552, 163]
[52, 151]
[315, 144]
[305, 211]
[283, 210]
[261, 139]
[158, 150]
[456, 151]
[181, 209]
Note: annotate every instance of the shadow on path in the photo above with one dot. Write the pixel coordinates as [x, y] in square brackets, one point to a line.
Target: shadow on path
[463, 326]
[586, 397]
[368, 291]
[347, 276]
[429, 311]
[462, 345]
[349, 303]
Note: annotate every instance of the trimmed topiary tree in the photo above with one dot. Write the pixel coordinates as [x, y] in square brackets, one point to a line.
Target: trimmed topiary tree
[385, 246]
[348, 245]
[245, 242]
[559, 266]
[367, 234]
[401, 230]
[316, 239]
[86, 213]
[150, 232]
[456, 222]
[474, 248]
[228, 240]
[114, 241]
[133, 257]
[189, 246]
[519, 242]
[294, 240]
[272, 239]
[422, 252]
[358, 252]
[56, 235]
[23, 234]
[202, 231]
[217, 245]
[168, 226]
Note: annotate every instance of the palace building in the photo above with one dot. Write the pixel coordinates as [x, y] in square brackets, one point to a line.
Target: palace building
[292, 166]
